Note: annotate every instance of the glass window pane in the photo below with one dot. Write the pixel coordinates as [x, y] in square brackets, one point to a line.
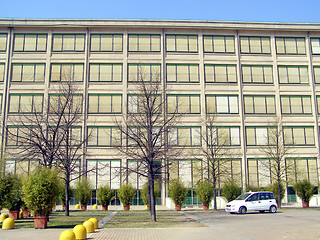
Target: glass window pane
[298, 135]
[293, 73]
[155, 43]
[246, 72]
[193, 43]
[250, 134]
[229, 44]
[296, 105]
[233, 104]
[28, 73]
[301, 46]
[94, 73]
[42, 43]
[221, 73]
[219, 44]
[14, 103]
[265, 45]
[280, 45]
[170, 43]
[116, 104]
[79, 43]
[232, 74]
[183, 73]
[172, 104]
[235, 136]
[117, 43]
[260, 105]
[257, 74]
[182, 43]
[195, 104]
[211, 104]
[291, 46]
[285, 105]
[16, 73]
[306, 102]
[106, 43]
[207, 44]
[304, 75]
[39, 74]
[93, 104]
[144, 43]
[194, 75]
[3, 42]
[262, 136]
[271, 108]
[133, 43]
[95, 43]
[309, 136]
[18, 43]
[248, 104]
[57, 42]
[30, 43]
[1, 72]
[255, 45]
[209, 73]
[315, 45]
[68, 43]
[171, 73]
[133, 73]
[244, 43]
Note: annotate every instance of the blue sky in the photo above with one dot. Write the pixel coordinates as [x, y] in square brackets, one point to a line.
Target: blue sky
[305, 11]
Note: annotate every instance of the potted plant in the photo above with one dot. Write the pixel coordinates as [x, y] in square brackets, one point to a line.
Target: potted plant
[305, 191]
[83, 192]
[231, 190]
[62, 195]
[204, 191]
[25, 210]
[178, 193]
[105, 196]
[125, 194]
[144, 193]
[40, 191]
[12, 197]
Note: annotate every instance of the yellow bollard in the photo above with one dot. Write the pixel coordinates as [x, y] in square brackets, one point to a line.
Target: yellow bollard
[89, 225]
[67, 235]
[21, 214]
[8, 223]
[95, 206]
[80, 232]
[77, 206]
[3, 216]
[95, 222]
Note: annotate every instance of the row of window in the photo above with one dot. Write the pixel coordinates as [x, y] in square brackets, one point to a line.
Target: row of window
[186, 136]
[103, 72]
[152, 43]
[181, 103]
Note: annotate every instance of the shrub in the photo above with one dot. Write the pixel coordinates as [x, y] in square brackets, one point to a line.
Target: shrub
[204, 190]
[144, 192]
[11, 192]
[231, 190]
[126, 193]
[105, 195]
[83, 191]
[304, 189]
[251, 188]
[274, 188]
[40, 191]
[177, 192]
[62, 193]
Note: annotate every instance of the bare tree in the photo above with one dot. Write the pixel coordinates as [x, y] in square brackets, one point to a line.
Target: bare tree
[276, 150]
[144, 129]
[217, 152]
[53, 135]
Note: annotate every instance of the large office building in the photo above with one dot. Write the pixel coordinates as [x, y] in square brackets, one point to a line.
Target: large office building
[247, 74]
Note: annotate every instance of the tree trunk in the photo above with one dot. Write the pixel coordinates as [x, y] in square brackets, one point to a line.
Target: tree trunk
[151, 199]
[66, 188]
[214, 195]
[279, 195]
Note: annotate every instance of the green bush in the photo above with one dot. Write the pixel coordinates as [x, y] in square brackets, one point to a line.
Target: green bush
[83, 191]
[177, 192]
[62, 193]
[105, 195]
[231, 190]
[274, 188]
[40, 191]
[204, 191]
[304, 189]
[11, 192]
[144, 192]
[126, 193]
[251, 188]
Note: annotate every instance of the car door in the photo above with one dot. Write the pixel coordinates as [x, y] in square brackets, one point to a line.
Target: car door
[253, 202]
[264, 201]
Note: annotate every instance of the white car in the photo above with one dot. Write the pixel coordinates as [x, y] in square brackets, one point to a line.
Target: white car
[253, 201]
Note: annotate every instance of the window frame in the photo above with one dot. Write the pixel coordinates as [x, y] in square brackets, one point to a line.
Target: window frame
[224, 40]
[98, 103]
[5, 37]
[287, 73]
[188, 42]
[61, 73]
[277, 38]
[218, 95]
[113, 42]
[176, 73]
[177, 103]
[293, 137]
[112, 71]
[290, 104]
[252, 76]
[63, 35]
[24, 40]
[32, 103]
[138, 43]
[260, 45]
[111, 139]
[253, 104]
[228, 76]
[141, 65]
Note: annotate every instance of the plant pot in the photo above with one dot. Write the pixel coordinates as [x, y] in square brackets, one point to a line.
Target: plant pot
[178, 207]
[305, 204]
[147, 207]
[40, 222]
[205, 207]
[14, 214]
[25, 213]
[63, 207]
[83, 207]
[126, 207]
[105, 207]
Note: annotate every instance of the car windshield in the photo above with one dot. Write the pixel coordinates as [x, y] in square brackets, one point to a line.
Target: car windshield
[243, 196]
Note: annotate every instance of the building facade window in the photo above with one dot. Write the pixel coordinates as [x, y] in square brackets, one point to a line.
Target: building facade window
[315, 45]
[293, 74]
[260, 136]
[183, 73]
[3, 42]
[58, 102]
[18, 135]
[184, 136]
[257, 74]
[106, 43]
[258, 172]
[218, 44]
[291, 45]
[316, 70]
[138, 104]
[298, 136]
[104, 136]
[302, 168]
[220, 73]
[144, 72]
[255, 45]
[144, 42]
[25, 103]
[257, 104]
[28, 72]
[182, 43]
[66, 72]
[30, 43]
[295, 104]
[183, 104]
[318, 104]
[186, 170]
[105, 72]
[223, 136]
[68, 42]
[2, 72]
[222, 104]
[105, 103]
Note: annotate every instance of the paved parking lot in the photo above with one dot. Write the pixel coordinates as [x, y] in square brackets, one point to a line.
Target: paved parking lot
[290, 224]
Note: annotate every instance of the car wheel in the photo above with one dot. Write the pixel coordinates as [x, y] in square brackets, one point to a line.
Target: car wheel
[273, 209]
[242, 210]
